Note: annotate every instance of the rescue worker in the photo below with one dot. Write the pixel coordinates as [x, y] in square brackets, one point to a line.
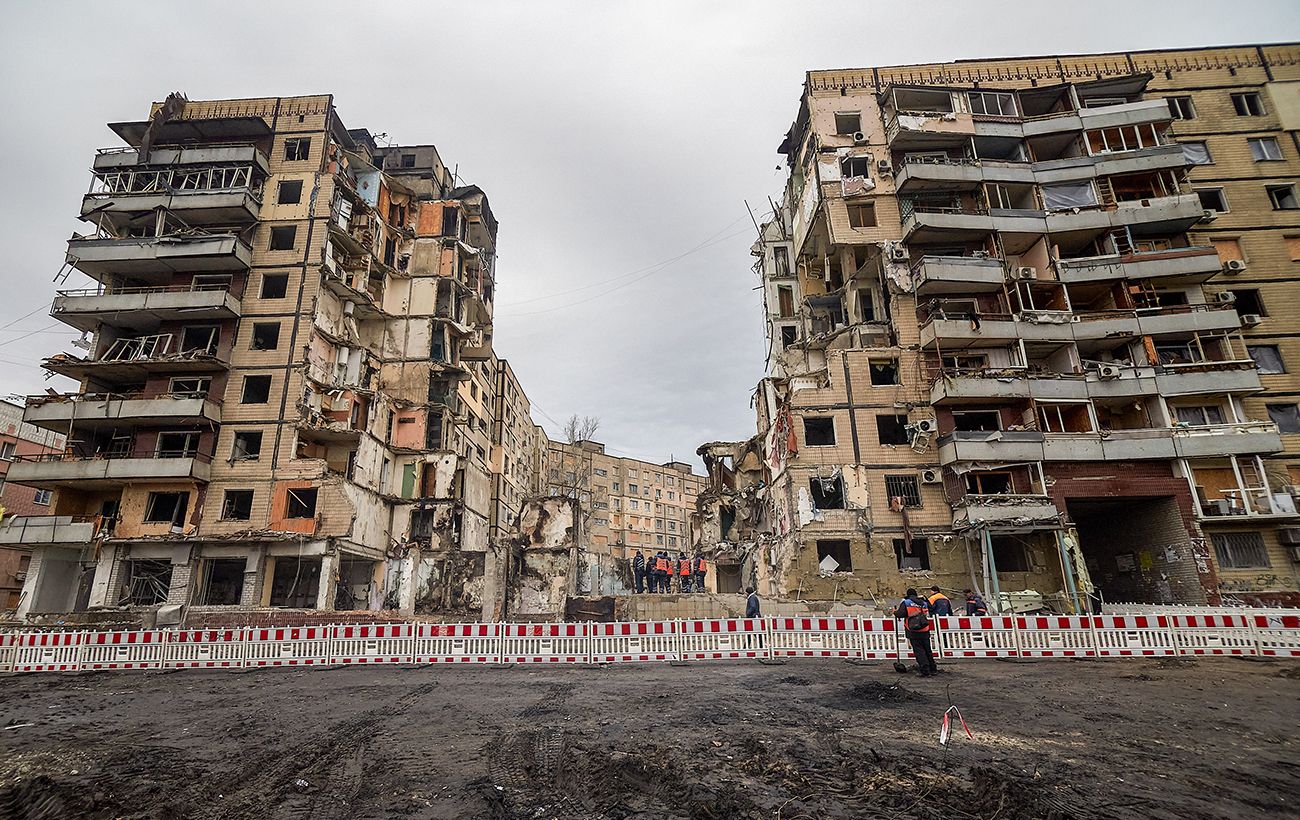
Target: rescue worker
[661, 572]
[939, 603]
[638, 572]
[751, 604]
[701, 568]
[917, 627]
[683, 572]
[975, 603]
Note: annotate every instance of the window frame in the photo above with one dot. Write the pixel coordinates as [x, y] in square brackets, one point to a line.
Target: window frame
[1175, 104]
[1288, 190]
[1252, 142]
[1247, 100]
[1224, 550]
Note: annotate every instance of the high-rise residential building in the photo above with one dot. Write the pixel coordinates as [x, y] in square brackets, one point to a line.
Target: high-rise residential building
[518, 448]
[628, 504]
[18, 439]
[1031, 328]
[290, 391]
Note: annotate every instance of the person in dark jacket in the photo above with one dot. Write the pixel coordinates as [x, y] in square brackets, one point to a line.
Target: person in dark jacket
[939, 603]
[751, 604]
[975, 603]
[638, 572]
[917, 627]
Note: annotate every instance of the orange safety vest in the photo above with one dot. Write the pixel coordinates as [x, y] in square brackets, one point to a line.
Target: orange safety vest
[684, 567]
[701, 567]
[912, 610]
[661, 565]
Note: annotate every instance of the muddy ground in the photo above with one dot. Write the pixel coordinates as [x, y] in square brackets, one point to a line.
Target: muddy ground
[1143, 738]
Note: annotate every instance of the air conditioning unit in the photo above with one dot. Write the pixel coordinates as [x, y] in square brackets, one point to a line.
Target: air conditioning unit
[931, 476]
[1025, 272]
[1289, 536]
[925, 425]
[1227, 297]
[1234, 266]
[883, 166]
[1251, 319]
[1108, 371]
[859, 138]
[898, 254]
[1209, 216]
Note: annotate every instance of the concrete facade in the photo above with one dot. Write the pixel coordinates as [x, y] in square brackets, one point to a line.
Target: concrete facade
[19, 439]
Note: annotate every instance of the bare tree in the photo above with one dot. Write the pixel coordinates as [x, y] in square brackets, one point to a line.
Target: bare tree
[571, 476]
[580, 429]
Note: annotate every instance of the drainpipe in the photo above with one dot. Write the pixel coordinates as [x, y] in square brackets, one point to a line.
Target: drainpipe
[991, 570]
[1066, 565]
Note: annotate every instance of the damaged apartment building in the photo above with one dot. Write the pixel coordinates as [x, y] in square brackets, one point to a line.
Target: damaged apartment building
[287, 395]
[1030, 330]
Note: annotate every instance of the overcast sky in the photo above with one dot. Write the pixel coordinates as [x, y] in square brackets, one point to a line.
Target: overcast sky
[617, 143]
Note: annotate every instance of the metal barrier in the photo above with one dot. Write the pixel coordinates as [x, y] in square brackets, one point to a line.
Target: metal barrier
[1269, 633]
[990, 636]
[123, 650]
[726, 638]
[816, 638]
[635, 641]
[1056, 636]
[458, 643]
[372, 643]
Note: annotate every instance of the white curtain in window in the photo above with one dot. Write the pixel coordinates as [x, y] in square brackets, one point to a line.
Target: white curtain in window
[1069, 195]
[1267, 358]
[1195, 153]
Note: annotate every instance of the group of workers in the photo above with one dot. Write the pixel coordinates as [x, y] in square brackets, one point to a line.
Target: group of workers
[657, 575]
[917, 611]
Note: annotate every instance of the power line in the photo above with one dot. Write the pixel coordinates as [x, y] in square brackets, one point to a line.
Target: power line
[36, 310]
[45, 329]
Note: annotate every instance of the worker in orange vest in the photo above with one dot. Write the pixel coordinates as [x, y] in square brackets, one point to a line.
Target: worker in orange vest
[683, 572]
[701, 569]
[914, 614]
[661, 572]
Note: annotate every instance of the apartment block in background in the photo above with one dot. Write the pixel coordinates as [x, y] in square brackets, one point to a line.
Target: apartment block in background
[1030, 329]
[19, 439]
[289, 396]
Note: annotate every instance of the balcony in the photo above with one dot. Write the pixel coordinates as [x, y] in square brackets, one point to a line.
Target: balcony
[920, 174]
[1161, 214]
[1243, 438]
[935, 223]
[907, 130]
[1153, 443]
[936, 275]
[1193, 265]
[34, 530]
[65, 471]
[1236, 377]
[159, 256]
[92, 410]
[1142, 112]
[140, 308]
[985, 329]
[1005, 510]
[136, 358]
[1184, 319]
[128, 159]
[1005, 385]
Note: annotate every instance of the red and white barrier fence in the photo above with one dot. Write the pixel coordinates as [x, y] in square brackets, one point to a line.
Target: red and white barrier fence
[1247, 633]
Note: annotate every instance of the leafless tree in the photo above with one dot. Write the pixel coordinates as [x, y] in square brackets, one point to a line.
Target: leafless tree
[583, 428]
[572, 472]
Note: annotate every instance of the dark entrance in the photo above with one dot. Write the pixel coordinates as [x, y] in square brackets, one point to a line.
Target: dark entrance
[1137, 549]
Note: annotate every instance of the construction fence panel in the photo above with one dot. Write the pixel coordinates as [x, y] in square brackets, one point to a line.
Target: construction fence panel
[123, 650]
[48, 651]
[458, 643]
[1278, 636]
[633, 641]
[8, 650]
[1214, 635]
[969, 636]
[204, 649]
[372, 643]
[1128, 635]
[880, 639]
[725, 638]
[287, 646]
[815, 637]
[546, 643]
[1056, 636]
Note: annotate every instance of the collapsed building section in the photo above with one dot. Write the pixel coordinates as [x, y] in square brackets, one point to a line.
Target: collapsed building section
[1001, 351]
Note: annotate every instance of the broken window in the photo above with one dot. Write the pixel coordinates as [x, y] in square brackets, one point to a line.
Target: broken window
[836, 549]
[977, 420]
[297, 149]
[781, 259]
[201, 339]
[892, 430]
[166, 508]
[223, 581]
[789, 335]
[866, 306]
[1065, 417]
[1268, 358]
[1212, 199]
[295, 582]
[912, 554]
[992, 103]
[275, 285]
[1247, 104]
[237, 505]
[1181, 108]
[1248, 301]
[145, 583]
[1240, 550]
[1265, 149]
[257, 390]
[884, 372]
[289, 192]
[1285, 416]
[905, 487]
[408, 160]
[266, 336]
[862, 215]
[248, 445]
[283, 238]
[848, 123]
[1282, 197]
[1010, 554]
[450, 220]
[300, 502]
[1199, 415]
[819, 431]
[827, 493]
[982, 483]
[859, 166]
[177, 445]
[785, 301]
